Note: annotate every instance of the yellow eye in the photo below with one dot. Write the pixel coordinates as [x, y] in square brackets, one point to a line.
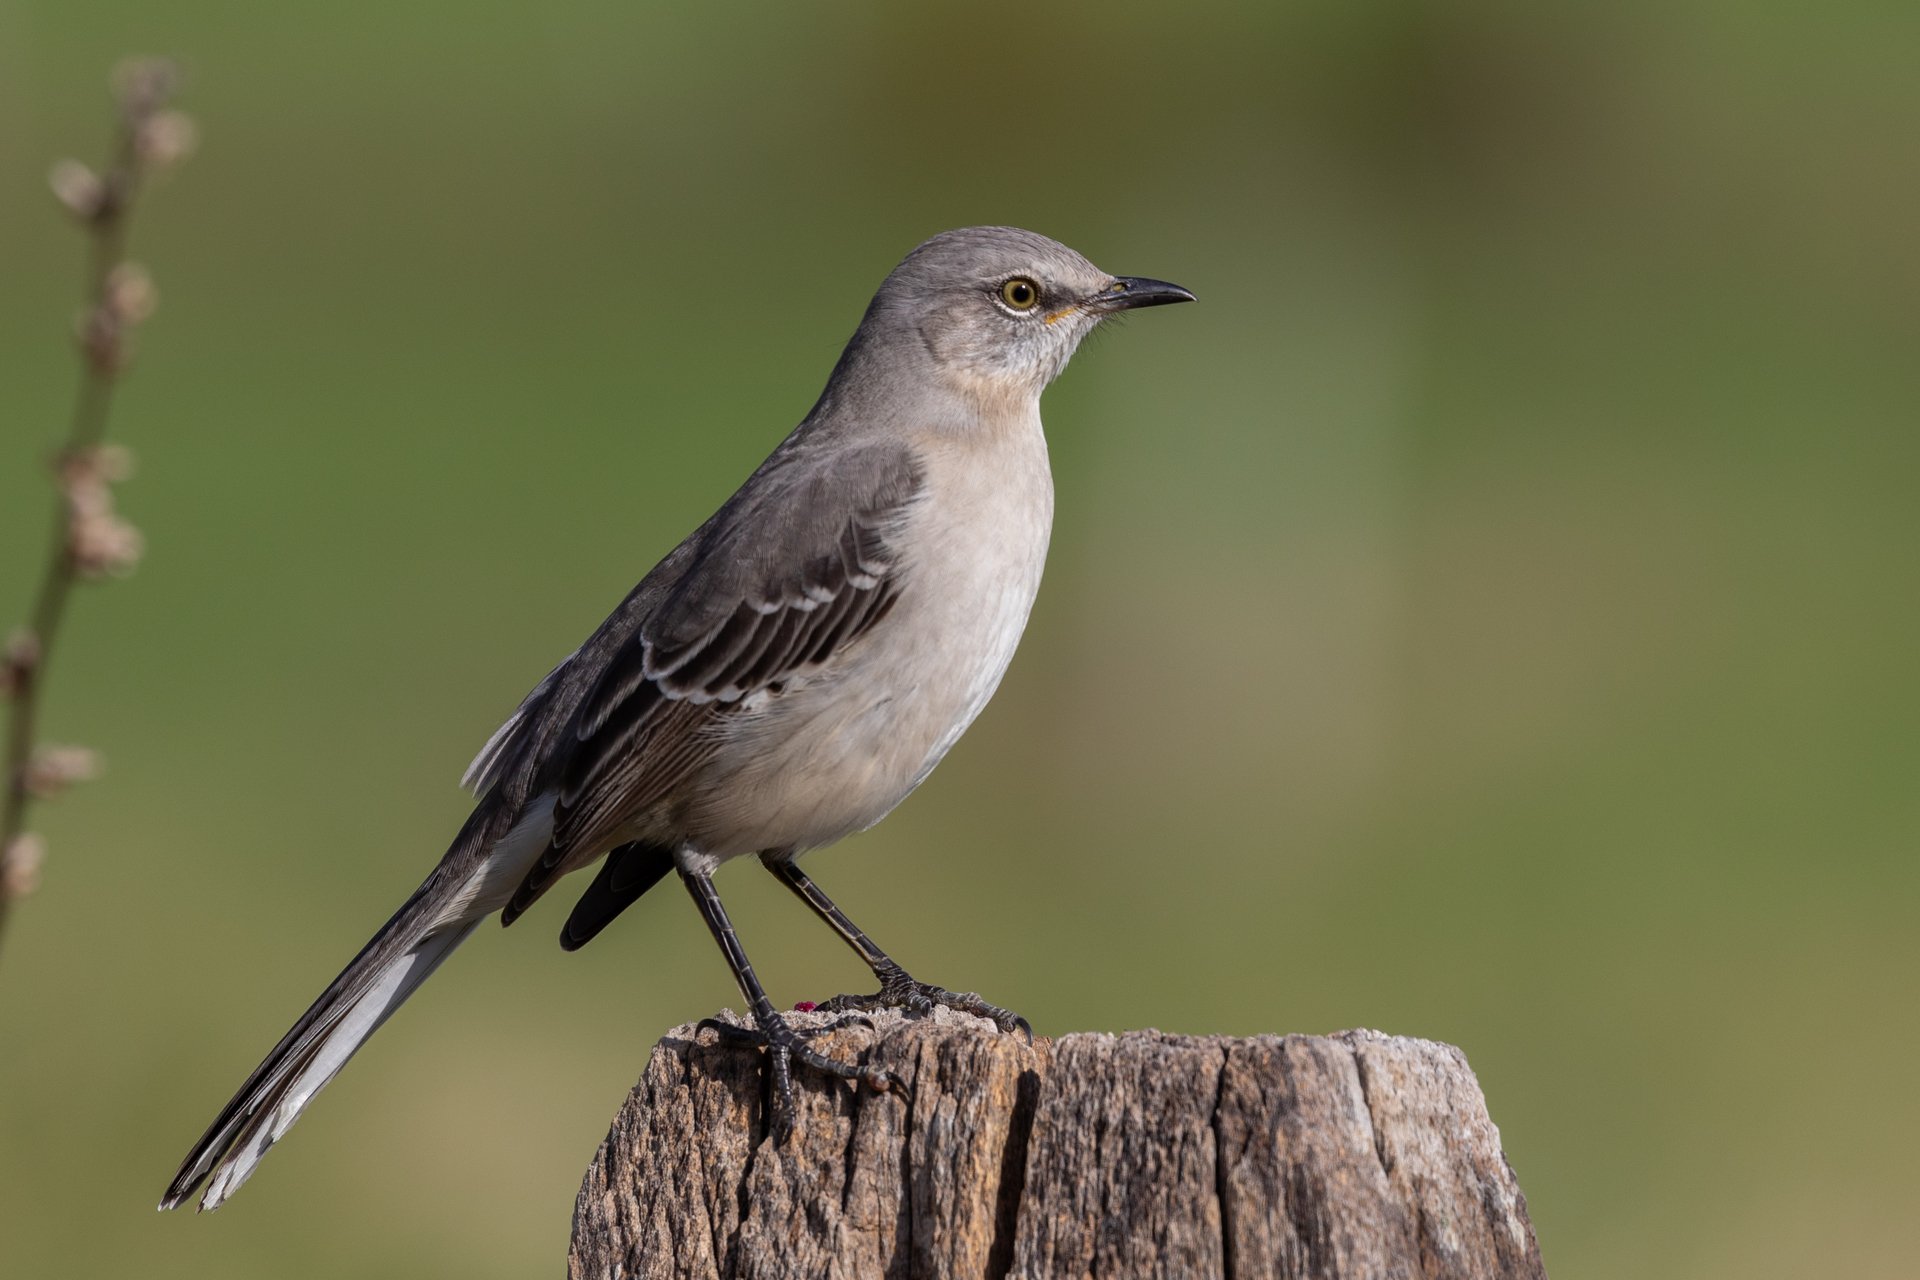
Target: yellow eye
[1020, 293]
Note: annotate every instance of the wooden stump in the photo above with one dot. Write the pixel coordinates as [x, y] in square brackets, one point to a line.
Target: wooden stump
[1354, 1155]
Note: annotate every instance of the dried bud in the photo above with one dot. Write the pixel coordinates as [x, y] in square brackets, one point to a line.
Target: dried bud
[19, 658]
[102, 544]
[17, 661]
[54, 769]
[165, 138]
[82, 485]
[79, 189]
[20, 865]
[87, 476]
[130, 294]
[143, 84]
[103, 340]
[99, 542]
[99, 464]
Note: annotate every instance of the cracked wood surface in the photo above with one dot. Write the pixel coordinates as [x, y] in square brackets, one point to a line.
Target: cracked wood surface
[1353, 1155]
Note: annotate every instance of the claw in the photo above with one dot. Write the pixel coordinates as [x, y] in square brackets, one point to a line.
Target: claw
[918, 999]
[727, 1031]
[783, 1043]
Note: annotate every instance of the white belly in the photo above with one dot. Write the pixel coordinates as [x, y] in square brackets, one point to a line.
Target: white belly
[835, 755]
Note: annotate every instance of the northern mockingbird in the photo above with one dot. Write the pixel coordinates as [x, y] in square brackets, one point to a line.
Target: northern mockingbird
[782, 679]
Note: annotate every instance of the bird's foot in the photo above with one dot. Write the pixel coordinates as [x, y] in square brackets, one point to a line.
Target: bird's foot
[787, 1044]
[918, 999]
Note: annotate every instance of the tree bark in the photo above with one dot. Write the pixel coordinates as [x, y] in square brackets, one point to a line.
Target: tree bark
[1353, 1155]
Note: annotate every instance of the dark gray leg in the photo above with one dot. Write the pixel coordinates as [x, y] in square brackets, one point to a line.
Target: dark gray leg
[783, 1042]
[897, 989]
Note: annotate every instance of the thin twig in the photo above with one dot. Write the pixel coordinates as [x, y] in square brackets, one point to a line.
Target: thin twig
[88, 540]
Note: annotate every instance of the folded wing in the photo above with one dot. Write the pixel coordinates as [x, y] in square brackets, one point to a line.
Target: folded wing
[749, 616]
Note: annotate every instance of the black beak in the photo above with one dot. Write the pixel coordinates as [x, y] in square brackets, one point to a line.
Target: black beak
[1128, 292]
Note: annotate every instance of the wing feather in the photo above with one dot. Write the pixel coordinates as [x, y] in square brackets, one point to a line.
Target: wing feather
[744, 621]
[507, 740]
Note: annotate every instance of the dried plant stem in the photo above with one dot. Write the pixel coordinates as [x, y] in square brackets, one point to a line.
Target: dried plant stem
[87, 541]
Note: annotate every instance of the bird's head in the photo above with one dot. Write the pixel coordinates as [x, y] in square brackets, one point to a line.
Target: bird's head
[1000, 310]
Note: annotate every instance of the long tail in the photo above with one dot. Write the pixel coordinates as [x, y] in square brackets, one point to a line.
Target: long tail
[439, 916]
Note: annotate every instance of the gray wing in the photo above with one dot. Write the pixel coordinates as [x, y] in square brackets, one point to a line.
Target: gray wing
[491, 764]
[793, 570]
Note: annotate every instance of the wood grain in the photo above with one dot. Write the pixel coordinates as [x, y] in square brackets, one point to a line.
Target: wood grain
[1093, 1155]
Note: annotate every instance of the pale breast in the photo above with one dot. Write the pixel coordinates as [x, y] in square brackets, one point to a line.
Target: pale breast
[836, 754]
[990, 544]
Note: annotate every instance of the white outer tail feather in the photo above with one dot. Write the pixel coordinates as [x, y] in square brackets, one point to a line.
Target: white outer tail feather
[389, 991]
[439, 919]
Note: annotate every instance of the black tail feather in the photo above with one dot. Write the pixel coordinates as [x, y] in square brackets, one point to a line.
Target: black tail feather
[628, 872]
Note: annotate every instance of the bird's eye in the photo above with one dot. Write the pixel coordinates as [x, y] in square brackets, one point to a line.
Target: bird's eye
[1020, 293]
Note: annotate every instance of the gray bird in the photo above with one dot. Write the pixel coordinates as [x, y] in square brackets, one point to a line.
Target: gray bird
[783, 678]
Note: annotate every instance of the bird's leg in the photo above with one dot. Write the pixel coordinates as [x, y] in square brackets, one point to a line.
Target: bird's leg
[783, 1042]
[898, 989]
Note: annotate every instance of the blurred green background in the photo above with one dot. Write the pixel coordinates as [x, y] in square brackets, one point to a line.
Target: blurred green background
[1489, 615]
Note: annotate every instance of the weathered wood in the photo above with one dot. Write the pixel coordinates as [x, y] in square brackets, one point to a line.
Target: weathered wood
[1355, 1155]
